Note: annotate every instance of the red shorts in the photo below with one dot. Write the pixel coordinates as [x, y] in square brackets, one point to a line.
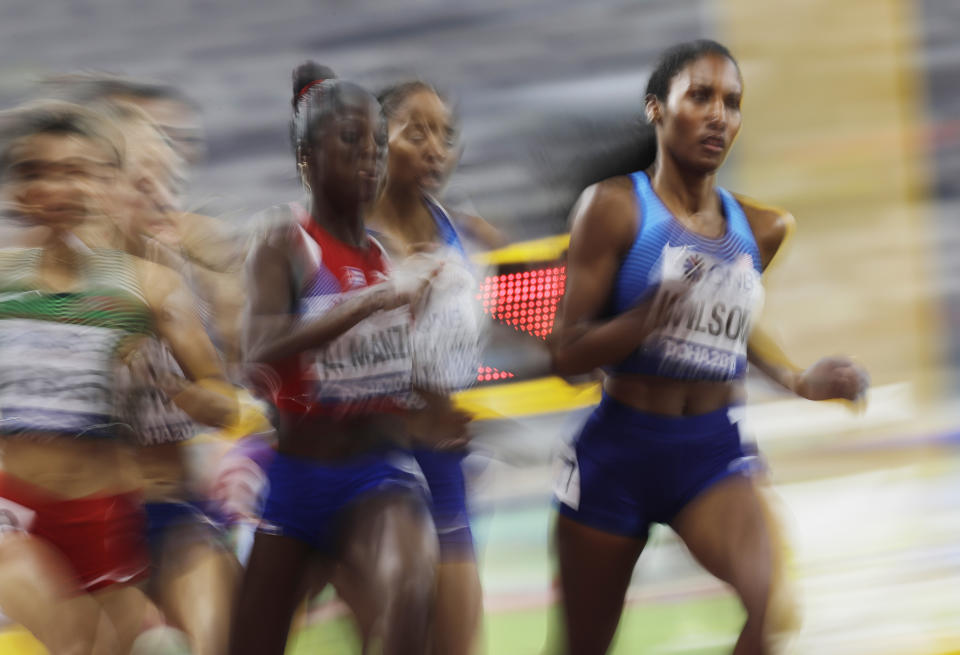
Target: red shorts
[102, 537]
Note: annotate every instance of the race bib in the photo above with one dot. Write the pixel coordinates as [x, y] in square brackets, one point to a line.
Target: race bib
[144, 407]
[447, 333]
[56, 377]
[371, 360]
[705, 308]
[566, 476]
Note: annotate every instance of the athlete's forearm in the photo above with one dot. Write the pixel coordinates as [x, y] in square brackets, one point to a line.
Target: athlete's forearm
[766, 354]
[285, 339]
[210, 401]
[581, 348]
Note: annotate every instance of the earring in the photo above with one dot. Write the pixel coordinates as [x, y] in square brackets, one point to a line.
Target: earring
[302, 170]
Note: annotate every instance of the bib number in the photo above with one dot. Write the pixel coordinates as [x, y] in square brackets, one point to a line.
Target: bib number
[372, 359]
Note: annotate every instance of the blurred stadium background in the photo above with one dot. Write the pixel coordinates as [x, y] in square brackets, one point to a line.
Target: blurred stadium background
[851, 120]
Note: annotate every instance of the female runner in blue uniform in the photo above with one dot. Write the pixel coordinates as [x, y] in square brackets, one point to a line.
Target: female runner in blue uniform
[329, 326]
[422, 137]
[663, 282]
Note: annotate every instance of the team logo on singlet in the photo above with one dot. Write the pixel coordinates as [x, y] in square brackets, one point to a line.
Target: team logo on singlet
[693, 268]
[353, 278]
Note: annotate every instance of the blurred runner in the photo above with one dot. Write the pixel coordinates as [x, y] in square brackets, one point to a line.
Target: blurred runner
[194, 573]
[71, 318]
[329, 336]
[212, 250]
[422, 140]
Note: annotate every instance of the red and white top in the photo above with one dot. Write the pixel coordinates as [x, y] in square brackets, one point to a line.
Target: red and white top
[368, 368]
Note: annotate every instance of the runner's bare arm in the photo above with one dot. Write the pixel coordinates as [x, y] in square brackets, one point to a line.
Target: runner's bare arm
[270, 332]
[480, 230]
[771, 228]
[604, 227]
[828, 378]
[210, 399]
